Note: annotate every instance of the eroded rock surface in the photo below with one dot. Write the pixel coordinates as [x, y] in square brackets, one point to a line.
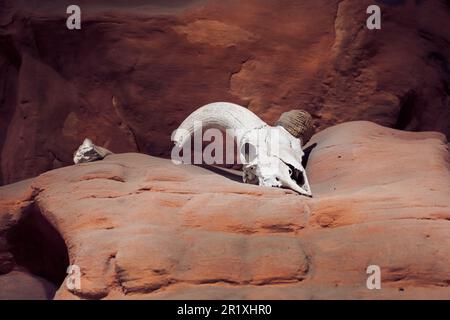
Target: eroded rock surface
[141, 227]
[136, 69]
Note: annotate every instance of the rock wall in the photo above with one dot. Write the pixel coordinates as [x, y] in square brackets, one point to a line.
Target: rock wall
[138, 68]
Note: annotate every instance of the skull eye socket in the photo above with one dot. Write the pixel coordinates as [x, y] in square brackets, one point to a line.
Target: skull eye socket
[248, 151]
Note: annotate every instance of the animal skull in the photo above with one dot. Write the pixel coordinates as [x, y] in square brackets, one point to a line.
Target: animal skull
[271, 156]
[89, 152]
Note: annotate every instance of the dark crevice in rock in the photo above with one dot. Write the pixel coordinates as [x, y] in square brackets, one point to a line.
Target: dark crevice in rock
[10, 52]
[38, 247]
[10, 63]
[407, 109]
[442, 62]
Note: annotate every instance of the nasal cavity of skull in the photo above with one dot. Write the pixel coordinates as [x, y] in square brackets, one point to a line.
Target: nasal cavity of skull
[296, 175]
[248, 152]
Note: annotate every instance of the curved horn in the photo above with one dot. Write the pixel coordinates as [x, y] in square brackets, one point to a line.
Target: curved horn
[221, 115]
[299, 123]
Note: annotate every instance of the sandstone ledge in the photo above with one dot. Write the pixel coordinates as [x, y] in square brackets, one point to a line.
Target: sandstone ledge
[141, 227]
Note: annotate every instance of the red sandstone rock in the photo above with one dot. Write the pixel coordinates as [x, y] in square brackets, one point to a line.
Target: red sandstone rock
[140, 227]
[133, 73]
[21, 285]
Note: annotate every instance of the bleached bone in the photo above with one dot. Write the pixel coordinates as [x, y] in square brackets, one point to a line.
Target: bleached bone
[89, 152]
[272, 156]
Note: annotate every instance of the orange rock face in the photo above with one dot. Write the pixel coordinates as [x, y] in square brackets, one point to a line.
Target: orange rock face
[140, 227]
[136, 69]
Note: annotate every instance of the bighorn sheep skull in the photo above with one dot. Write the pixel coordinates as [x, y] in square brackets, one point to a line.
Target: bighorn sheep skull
[89, 152]
[271, 155]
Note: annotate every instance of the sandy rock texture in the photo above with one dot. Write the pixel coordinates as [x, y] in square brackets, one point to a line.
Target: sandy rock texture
[21, 285]
[33, 256]
[141, 227]
[137, 68]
